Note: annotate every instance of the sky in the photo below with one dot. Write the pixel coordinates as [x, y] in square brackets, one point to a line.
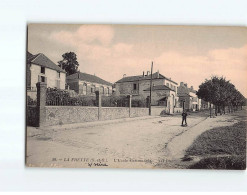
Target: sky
[187, 54]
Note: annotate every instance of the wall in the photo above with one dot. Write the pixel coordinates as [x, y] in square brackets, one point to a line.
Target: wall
[52, 77]
[159, 110]
[137, 112]
[109, 113]
[58, 115]
[126, 88]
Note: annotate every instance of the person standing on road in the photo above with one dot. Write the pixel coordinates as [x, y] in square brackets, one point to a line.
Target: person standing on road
[184, 117]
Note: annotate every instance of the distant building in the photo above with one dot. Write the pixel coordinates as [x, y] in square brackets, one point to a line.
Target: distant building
[188, 98]
[87, 84]
[164, 90]
[204, 105]
[41, 69]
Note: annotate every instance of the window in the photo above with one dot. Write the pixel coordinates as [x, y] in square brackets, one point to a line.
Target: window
[167, 84]
[101, 90]
[92, 89]
[42, 79]
[58, 74]
[84, 89]
[134, 86]
[42, 70]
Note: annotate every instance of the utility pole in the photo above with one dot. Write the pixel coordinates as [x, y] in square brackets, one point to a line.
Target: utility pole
[151, 81]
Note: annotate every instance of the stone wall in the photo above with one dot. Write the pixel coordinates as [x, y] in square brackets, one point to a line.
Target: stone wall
[109, 113]
[58, 115]
[159, 110]
[137, 112]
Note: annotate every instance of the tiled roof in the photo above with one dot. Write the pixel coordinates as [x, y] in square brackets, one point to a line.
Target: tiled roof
[141, 77]
[88, 77]
[29, 55]
[41, 60]
[159, 87]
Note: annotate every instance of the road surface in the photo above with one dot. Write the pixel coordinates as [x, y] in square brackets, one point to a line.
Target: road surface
[150, 143]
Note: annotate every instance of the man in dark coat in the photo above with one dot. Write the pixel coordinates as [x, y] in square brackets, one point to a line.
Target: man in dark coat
[184, 116]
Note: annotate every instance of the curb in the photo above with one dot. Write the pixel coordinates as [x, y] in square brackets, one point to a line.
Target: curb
[94, 123]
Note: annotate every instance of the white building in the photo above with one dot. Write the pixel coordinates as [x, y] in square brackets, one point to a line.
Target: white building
[41, 69]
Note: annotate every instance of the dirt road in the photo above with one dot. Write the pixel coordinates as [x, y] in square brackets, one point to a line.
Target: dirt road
[150, 143]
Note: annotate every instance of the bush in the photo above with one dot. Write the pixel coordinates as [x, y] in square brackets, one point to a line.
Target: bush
[139, 101]
[60, 97]
[114, 101]
[31, 102]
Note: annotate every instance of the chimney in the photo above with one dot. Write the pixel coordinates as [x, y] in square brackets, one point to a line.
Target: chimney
[191, 87]
[181, 83]
[143, 74]
[124, 75]
[185, 84]
[148, 73]
[158, 74]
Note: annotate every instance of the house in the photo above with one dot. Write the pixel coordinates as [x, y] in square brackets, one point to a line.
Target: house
[41, 69]
[164, 90]
[188, 98]
[204, 105]
[87, 84]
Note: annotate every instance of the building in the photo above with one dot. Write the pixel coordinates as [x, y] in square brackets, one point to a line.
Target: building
[87, 84]
[164, 90]
[204, 105]
[188, 98]
[41, 69]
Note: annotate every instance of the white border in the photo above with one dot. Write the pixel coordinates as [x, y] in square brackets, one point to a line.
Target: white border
[14, 15]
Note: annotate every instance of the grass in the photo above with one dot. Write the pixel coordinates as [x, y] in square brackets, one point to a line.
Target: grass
[221, 148]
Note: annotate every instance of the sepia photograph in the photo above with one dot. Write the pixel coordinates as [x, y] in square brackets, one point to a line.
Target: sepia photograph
[136, 96]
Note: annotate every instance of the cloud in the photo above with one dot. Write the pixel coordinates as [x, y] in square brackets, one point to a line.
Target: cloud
[229, 62]
[102, 34]
[99, 53]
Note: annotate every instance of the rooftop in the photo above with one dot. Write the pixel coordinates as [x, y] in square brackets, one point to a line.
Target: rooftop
[88, 77]
[155, 75]
[41, 60]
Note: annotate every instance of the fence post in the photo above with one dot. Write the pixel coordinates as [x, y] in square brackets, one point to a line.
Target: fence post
[129, 101]
[41, 103]
[98, 103]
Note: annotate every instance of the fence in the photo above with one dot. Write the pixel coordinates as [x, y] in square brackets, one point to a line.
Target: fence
[53, 109]
[57, 97]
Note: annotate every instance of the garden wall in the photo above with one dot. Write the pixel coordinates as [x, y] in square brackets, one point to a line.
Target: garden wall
[58, 115]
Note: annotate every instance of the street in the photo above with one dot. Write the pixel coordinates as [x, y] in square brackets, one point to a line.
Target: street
[155, 142]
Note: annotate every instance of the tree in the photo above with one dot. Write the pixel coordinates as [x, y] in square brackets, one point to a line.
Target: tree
[69, 63]
[221, 93]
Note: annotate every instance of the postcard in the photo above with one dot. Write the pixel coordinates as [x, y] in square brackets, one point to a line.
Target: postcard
[136, 96]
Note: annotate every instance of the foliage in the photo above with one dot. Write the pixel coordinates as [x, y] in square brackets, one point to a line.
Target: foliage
[56, 96]
[114, 101]
[221, 93]
[31, 102]
[139, 101]
[228, 144]
[69, 63]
